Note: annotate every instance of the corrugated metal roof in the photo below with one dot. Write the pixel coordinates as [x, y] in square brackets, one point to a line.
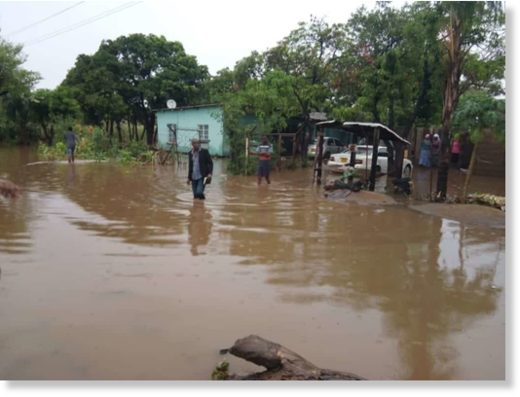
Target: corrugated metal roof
[359, 128]
[209, 105]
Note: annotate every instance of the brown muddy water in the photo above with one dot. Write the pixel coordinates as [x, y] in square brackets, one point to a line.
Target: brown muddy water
[112, 272]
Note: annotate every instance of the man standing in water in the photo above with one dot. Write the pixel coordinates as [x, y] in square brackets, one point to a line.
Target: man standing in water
[264, 152]
[70, 143]
[200, 169]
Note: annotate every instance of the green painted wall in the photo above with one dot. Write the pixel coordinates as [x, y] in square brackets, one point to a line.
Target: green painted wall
[187, 121]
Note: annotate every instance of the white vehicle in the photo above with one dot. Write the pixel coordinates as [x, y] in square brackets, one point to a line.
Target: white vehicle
[338, 162]
[330, 146]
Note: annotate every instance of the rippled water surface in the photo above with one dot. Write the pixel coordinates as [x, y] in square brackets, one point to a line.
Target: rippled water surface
[111, 272]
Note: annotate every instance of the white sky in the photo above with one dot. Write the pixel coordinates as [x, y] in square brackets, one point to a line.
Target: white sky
[218, 33]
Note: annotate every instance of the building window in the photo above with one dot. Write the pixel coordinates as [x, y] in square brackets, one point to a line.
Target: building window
[203, 132]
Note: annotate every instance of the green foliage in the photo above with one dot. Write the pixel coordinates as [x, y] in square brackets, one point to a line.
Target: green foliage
[221, 371]
[52, 153]
[474, 50]
[131, 75]
[125, 156]
[384, 64]
[95, 145]
[354, 112]
[52, 110]
[479, 111]
[15, 86]
[398, 54]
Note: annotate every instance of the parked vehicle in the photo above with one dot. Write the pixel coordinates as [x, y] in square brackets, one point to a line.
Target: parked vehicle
[330, 146]
[338, 162]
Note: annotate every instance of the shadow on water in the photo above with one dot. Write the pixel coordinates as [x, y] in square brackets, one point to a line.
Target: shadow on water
[383, 291]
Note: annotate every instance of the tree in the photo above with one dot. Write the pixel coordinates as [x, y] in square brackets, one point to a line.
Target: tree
[49, 107]
[216, 87]
[477, 112]
[270, 100]
[15, 85]
[140, 71]
[397, 56]
[473, 40]
[154, 70]
[396, 52]
[311, 52]
[94, 83]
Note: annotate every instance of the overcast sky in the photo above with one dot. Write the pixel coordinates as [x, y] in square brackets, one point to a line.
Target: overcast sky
[218, 33]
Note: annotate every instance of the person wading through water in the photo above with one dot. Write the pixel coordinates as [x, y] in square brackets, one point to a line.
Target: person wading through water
[70, 142]
[264, 152]
[200, 169]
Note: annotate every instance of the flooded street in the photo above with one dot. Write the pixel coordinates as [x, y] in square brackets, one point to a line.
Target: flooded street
[113, 272]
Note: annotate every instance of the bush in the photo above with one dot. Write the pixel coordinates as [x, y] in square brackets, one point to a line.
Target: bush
[93, 143]
[52, 153]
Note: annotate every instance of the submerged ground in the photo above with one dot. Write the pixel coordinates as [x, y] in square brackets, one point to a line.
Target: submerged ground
[111, 272]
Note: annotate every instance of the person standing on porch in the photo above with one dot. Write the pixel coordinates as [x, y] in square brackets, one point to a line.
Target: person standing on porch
[200, 169]
[426, 151]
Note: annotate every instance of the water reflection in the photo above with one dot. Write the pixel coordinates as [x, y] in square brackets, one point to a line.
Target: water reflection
[431, 280]
[199, 227]
[71, 175]
[401, 263]
[15, 237]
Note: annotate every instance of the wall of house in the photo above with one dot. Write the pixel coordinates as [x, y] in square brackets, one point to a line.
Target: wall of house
[187, 121]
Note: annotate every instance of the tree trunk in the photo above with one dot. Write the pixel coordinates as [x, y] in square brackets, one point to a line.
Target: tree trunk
[318, 157]
[373, 166]
[399, 159]
[375, 111]
[470, 172]
[279, 152]
[45, 137]
[119, 133]
[304, 144]
[391, 112]
[51, 135]
[450, 100]
[111, 131]
[134, 128]
[150, 128]
[281, 363]
[295, 147]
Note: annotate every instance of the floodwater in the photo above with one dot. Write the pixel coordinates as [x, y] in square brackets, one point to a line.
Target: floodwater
[112, 272]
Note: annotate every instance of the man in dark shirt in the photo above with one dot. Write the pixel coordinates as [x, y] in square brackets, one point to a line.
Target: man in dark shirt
[200, 169]
[70, 143]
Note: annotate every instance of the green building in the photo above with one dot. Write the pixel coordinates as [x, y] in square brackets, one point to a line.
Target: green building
[182, 124]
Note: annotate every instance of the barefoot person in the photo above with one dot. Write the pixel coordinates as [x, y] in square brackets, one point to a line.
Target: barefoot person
[264, 152]
[200, 169]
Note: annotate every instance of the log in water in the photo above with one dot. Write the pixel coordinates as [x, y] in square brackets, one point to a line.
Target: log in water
[281, 363]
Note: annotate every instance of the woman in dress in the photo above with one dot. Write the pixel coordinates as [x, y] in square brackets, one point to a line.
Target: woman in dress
[426, 151]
